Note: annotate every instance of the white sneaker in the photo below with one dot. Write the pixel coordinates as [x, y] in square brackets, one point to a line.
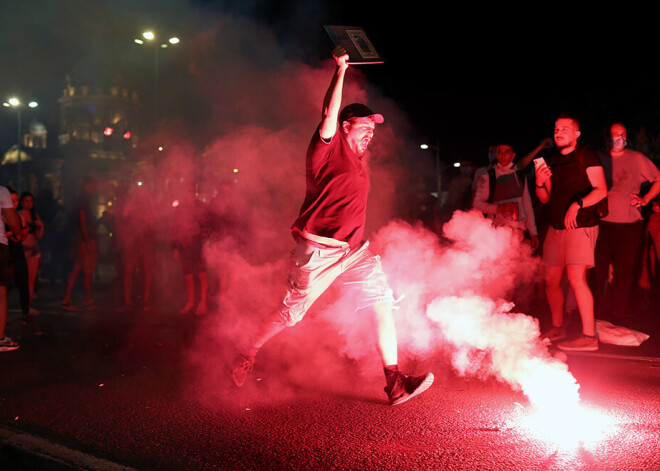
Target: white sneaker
[7, 345]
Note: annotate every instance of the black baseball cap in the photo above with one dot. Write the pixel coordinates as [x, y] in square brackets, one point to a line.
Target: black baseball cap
[358, 110]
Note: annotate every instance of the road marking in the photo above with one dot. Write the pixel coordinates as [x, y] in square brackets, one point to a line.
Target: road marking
[40, 448]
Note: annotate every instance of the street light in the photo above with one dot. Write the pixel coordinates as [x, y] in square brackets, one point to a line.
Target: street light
[150, 37]
[15, 103]
[438, 175]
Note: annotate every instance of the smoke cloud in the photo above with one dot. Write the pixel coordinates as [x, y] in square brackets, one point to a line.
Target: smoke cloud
[456, 290]
[455, 304]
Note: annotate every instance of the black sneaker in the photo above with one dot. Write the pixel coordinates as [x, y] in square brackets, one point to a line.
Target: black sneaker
[407, 386]
[242, 367]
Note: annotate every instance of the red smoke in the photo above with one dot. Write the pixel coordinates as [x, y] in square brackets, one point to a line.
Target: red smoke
[249, 171]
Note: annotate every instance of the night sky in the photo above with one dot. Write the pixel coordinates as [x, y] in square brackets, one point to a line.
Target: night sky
[468, 76]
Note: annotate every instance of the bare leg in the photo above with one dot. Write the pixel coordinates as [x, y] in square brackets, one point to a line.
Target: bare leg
[33, 269]
[71, 283]
[87, 282]
[555, 294]
[244, 361]
[190, 293]
[3, 310]
[577, 277]
[386, 333]
[203, 290]
[269, 329]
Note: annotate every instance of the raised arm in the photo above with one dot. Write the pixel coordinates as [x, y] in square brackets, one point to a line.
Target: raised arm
[332, 100]
[524, 162]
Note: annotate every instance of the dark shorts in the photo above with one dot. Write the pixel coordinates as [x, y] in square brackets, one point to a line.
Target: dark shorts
[6, 266]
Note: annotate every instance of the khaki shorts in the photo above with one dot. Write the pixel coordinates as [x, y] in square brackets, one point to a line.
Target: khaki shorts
[314, 267]
[570, 246]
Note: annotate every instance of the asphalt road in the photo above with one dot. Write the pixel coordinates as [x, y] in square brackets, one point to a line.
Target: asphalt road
[109, 391]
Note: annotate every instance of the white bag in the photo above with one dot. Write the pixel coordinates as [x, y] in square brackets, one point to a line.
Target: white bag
[618, 335]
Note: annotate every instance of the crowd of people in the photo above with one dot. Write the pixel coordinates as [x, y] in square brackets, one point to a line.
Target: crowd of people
[625, 240]
[592, 215]
[21, 232]
[626, 259]
[61, 246]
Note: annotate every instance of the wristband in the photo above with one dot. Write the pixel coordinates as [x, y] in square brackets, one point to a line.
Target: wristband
[580, 203]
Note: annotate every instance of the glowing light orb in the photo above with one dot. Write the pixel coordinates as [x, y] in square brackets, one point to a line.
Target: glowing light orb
[108, 131]
[175, 203]
[570, 428]
[548, 385]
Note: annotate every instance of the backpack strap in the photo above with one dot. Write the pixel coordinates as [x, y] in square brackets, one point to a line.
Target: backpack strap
[491, 184]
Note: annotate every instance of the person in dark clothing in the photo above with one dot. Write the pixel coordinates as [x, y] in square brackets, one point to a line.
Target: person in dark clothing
[620, 232]
[10, 218]
[571, 182]
[84, 250]
[18, 258]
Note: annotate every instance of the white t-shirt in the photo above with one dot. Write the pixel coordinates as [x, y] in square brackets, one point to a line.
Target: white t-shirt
[5, 202]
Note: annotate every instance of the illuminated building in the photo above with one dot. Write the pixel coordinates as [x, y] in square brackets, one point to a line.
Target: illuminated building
[98, 128]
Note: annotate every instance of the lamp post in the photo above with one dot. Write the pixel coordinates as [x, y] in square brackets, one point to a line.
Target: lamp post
[16, 103]
[438, 175]
[150, 37]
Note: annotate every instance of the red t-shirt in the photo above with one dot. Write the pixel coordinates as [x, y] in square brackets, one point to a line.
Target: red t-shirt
[335, 203]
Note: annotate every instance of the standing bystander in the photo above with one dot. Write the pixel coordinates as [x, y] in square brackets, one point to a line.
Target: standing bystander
[188, 248]
[31, 241]
[620, 232]
[84, 250]
[20, 276]
[135, 231]
[10, 218]
[572, 183]
[502, 195]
